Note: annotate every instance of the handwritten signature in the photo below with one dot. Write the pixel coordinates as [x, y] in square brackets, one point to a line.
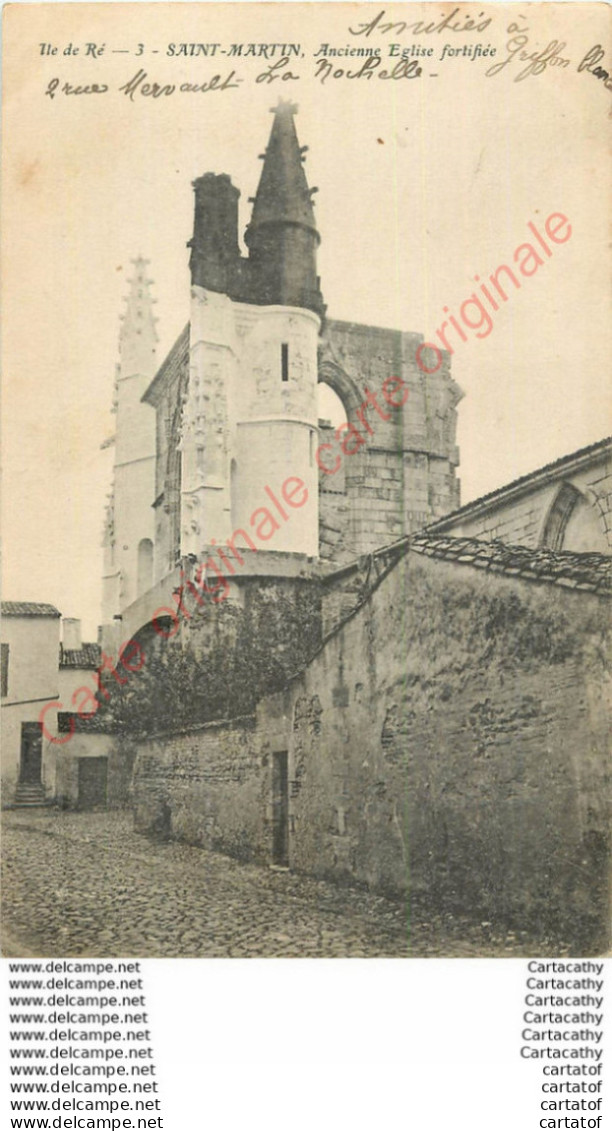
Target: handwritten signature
[593, 56]
[537, 61]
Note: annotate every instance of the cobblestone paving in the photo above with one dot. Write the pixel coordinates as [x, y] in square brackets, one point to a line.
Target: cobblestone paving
[86, 884]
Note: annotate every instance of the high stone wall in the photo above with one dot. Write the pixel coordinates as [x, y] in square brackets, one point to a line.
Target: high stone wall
[448, 745]
[460, 751]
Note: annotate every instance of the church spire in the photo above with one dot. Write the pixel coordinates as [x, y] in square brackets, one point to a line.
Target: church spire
[282, 236]
[138, 335]
[283, 196]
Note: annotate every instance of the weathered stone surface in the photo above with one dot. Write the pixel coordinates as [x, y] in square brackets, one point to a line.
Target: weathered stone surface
[448, 744]
[469, 753]
[402, 475]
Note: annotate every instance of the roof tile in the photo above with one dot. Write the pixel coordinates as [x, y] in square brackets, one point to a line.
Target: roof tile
[28, 609]
[588, 572]
[87, 656]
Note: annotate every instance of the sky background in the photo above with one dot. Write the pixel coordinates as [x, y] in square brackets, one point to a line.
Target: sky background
[422, 185]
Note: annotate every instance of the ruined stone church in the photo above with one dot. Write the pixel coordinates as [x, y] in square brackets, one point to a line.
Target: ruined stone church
[385, 689]
[233, 408]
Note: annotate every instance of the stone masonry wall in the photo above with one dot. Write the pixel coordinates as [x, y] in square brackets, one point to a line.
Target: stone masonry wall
[207, 787]
[404, 475]
[450, 743]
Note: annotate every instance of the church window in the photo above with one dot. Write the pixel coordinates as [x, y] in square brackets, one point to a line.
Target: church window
[558, 517]
[573, 524]
[285, 361]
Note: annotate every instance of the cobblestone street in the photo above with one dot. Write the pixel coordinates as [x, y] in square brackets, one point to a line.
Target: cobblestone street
[86, 884]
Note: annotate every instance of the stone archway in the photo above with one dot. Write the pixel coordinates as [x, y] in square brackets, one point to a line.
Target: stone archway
[572, 523]
[345, 387]
[339, 513]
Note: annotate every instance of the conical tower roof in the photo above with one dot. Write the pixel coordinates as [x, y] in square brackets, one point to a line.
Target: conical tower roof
[283, 196]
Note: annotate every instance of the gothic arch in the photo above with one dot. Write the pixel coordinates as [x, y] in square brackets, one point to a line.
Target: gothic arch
[353, 466]
[558, 517]
[343, 385]
[572, 523]
[346, 388]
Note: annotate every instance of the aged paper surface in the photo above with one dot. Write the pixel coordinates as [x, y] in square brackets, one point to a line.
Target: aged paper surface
[456, 771]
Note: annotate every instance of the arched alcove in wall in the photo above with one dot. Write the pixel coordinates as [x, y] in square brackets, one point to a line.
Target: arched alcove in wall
[573, 523]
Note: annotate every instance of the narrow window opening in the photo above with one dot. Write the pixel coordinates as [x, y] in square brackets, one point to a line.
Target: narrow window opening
[4, 670]
[285, 361]
[280, 809]
[311, 448]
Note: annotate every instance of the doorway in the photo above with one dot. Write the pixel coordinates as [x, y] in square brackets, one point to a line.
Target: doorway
[93, 775]
[280, 810]
[30, 765]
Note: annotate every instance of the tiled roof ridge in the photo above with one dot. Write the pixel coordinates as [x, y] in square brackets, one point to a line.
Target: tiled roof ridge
[590, 572]
[28, 609]
[87, 656]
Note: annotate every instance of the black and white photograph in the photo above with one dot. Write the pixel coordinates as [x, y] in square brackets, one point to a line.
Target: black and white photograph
[307, 481]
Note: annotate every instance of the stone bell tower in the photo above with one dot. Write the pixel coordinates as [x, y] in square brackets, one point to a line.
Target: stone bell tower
[250, 417]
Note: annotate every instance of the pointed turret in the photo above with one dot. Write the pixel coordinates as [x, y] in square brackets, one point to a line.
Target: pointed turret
[282, 237]
[138, 335]
[283, 196]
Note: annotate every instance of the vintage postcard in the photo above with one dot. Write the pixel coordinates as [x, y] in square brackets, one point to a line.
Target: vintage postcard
[307, 483]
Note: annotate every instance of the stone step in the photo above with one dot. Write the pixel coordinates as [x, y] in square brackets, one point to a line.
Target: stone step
[29, 795]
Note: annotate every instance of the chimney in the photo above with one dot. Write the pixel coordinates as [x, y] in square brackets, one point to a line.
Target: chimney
[71, 634]
[214, 246]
